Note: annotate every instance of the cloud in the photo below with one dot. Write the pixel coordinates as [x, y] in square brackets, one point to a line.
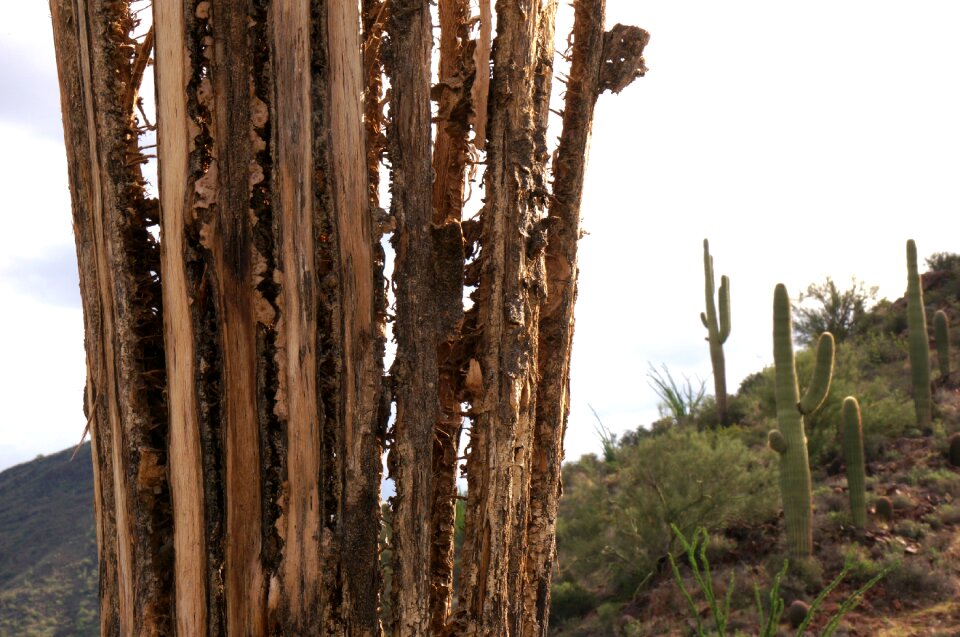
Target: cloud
[29, 93]
[50, 277]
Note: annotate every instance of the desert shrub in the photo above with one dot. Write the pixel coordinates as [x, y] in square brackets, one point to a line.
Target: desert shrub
[941, 482]
[860, 566]
[608, 613]
[583, 523]
[943, 262]
[826, 308]
[911, 529]
[914, 580]
[949, 514]
[689, 479]
[569, 600]
[878, 348]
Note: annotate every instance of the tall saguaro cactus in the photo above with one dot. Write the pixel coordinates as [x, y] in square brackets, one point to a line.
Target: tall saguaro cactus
[718, 329]
[852, 440]
[790, 440]
[919, 340]
[239, 407]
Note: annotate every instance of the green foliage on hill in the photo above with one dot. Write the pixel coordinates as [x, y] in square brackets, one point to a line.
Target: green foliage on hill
[48, 552]
[614, 527]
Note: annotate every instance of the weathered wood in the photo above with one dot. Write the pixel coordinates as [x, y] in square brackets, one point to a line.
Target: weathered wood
[122, 308]
[297, 397]
[481, 86]
[556, 317]
[414, 371]
[507, 302]
[360, 317]
[236, 411]
[175, 144]
[453, 95]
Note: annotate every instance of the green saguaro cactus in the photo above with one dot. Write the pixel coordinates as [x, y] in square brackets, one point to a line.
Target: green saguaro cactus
[853, 456]
[919, 342]
[790, 441]
[718, 329]
[941, 333]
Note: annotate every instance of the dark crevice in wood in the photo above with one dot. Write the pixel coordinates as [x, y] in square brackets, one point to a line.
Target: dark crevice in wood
[205, 316]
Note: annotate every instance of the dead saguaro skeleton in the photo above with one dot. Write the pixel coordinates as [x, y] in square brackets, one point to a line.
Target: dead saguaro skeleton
[238, 403]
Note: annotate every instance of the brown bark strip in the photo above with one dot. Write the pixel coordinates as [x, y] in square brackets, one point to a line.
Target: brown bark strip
[297, 349]
[228, 237]
[507, 302]
[175, 143]
[360, 318]
[481, 86]
[453, 96]
[122, 309]
[83, 186]
[414, 371]
[556, 319]
[374, 20]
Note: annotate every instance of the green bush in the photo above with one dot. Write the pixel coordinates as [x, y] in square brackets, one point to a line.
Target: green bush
[689, 479]
[569, 600]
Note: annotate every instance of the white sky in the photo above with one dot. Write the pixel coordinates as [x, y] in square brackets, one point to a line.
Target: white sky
[803, 139]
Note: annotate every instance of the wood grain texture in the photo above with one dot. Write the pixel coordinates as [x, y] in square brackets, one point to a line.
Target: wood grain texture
[297, 327]
[175, 143]
[360, 319]
[118, 259]
[415, 368]
[507, 301]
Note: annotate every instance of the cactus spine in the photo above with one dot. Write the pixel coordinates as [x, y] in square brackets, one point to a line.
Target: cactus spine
[795, 486]
[941, 333]
[718, 329]
[856, 467]
[919, 343]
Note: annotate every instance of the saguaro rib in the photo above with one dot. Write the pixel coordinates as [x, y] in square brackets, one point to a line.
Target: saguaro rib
[173, 69]
[84, 189]
[415, 368]
[556, 317]
[453, 95]
[122, 308]
[359, 324]
[228, 237]
[507, 300]
[293, 170]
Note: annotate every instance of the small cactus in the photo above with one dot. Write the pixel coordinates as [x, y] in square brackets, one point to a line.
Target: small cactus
[791, 443]
[954, 451]
[919, 341]
[797, 612]
[941, 333]
[853, 455]
[718, 329]
[884, 508]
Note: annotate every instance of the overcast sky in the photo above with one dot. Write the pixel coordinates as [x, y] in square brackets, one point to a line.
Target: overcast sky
[803, 139]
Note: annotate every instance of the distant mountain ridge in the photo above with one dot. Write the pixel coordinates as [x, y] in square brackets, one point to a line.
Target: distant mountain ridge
[48, 548]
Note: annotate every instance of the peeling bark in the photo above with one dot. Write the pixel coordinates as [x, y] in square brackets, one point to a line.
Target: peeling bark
[453, 95]
[414, 371]
[507, 302]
